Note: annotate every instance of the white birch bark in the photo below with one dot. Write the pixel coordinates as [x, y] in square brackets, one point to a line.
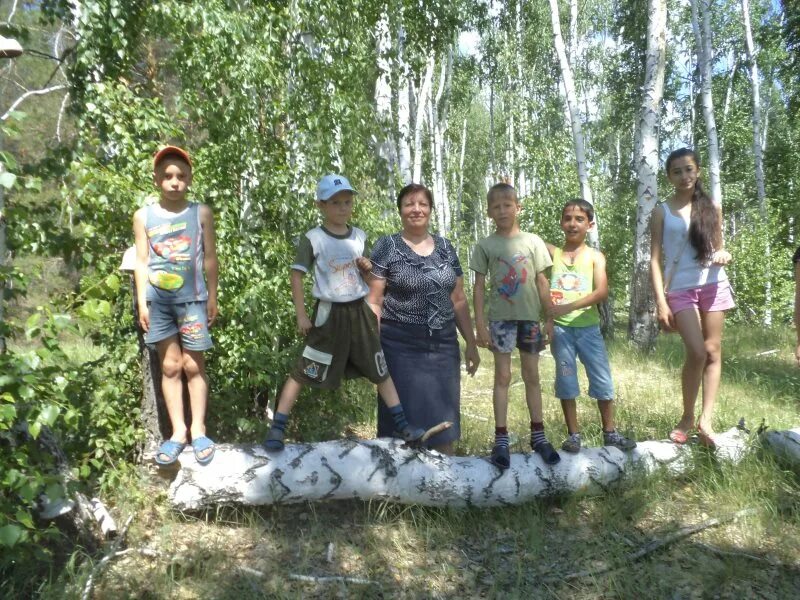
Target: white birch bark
[403, 111]
[419, 119]
[574, 113]
[756, 87]
[758, 154]
[573, 32]
[726, 107]
[383, 98]
[643, 327]
[700, 10]
[386, 469]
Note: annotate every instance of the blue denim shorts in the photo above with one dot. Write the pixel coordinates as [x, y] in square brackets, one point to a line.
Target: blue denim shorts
[586, 343]
[525, 335]
[187, 320]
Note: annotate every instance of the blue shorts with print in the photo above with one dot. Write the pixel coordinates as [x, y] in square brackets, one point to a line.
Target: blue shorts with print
[187, 320]
[586, 343]
[525, 335]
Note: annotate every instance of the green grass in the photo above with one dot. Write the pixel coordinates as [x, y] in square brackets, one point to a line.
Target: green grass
[418, 552]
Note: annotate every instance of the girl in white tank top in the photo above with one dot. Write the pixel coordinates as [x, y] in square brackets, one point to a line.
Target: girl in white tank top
[691, 288]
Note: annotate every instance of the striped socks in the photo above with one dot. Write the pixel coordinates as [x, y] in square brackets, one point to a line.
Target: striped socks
[537, 434]
[501, 436]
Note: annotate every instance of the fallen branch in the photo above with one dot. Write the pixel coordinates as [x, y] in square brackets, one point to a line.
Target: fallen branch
[112, 553]
[389, 469]
[651, 547]
[311, 578]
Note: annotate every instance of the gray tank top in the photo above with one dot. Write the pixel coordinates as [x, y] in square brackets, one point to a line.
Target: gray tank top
[175, 267]
[688, 272]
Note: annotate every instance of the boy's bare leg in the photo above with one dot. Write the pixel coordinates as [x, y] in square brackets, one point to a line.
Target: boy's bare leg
[170, 357]
[289, 393]
[529, 363]
[194, 365]
[388, 393]
[502, 381]
[570, 409]
[606, 408]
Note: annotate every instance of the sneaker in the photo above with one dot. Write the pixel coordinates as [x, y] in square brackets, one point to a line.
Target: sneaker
[572, 444]
[409, 433]
[614, 438]
[500, 457]
[274, 440]
[547, 452]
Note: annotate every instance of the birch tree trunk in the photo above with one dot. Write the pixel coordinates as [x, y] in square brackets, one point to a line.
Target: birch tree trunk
[419, 119]
[386, 469]
[642, 325]
[403, 111]
[574, 113]
[383, 100]
[700, 10]
[758, 156]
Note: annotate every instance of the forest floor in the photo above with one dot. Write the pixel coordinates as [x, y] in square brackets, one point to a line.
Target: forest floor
[392, 551]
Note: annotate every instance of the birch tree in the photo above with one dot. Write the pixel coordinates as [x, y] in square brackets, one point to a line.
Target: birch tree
[643, 327]
[758, 153]
[574, 113]
[701, 24]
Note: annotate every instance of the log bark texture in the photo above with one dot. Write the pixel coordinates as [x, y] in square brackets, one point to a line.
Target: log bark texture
[387, 469]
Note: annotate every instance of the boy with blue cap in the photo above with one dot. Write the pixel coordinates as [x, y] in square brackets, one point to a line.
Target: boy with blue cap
[343, 336]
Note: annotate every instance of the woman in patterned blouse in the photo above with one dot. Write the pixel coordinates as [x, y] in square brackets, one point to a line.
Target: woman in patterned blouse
[417, 292]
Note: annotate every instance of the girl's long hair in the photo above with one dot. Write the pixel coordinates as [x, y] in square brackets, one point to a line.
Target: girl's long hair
[705, 231]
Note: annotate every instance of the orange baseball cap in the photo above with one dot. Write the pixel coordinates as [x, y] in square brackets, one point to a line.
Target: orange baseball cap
[171, 151]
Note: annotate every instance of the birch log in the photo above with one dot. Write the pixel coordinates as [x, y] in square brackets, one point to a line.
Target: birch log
[387, 469]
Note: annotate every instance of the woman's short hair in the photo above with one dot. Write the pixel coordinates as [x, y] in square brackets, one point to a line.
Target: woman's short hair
[413, 188]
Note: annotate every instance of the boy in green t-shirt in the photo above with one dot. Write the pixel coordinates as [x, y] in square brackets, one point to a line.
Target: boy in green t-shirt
[577, 285]
[518, 289]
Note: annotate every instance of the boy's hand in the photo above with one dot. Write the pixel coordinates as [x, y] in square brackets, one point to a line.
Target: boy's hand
[472, 359]
[364, 264]
[549, 331]
[212, 311]
[797, 354]
[304, 325]
[558, 310]
[484, 340]
[144, 317]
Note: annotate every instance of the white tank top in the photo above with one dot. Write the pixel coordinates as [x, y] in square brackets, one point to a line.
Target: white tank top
[688, 272]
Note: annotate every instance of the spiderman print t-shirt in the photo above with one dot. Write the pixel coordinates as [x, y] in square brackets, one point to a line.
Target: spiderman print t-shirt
[511, 265]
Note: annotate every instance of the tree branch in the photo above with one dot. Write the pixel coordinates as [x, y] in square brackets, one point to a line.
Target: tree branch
[28, 94]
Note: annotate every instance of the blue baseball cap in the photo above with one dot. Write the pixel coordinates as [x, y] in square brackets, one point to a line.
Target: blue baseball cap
[330, 185]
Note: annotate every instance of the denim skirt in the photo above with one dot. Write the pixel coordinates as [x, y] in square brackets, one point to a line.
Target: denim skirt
[425, 366]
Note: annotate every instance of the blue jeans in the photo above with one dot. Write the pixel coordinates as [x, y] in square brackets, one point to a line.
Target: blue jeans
[586, 343]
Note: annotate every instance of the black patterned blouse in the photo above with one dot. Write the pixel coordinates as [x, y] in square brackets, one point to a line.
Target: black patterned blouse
[418, 287]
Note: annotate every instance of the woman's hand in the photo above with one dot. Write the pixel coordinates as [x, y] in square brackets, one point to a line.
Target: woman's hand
[721, 257]
[472, 358]
[665, 318]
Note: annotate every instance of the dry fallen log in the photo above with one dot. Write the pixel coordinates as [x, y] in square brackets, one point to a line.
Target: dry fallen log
[383, 468]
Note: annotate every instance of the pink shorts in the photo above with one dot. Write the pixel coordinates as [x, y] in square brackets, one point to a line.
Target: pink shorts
[706, 298]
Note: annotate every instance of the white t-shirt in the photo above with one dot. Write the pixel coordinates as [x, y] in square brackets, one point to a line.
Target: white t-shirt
[336, 276]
